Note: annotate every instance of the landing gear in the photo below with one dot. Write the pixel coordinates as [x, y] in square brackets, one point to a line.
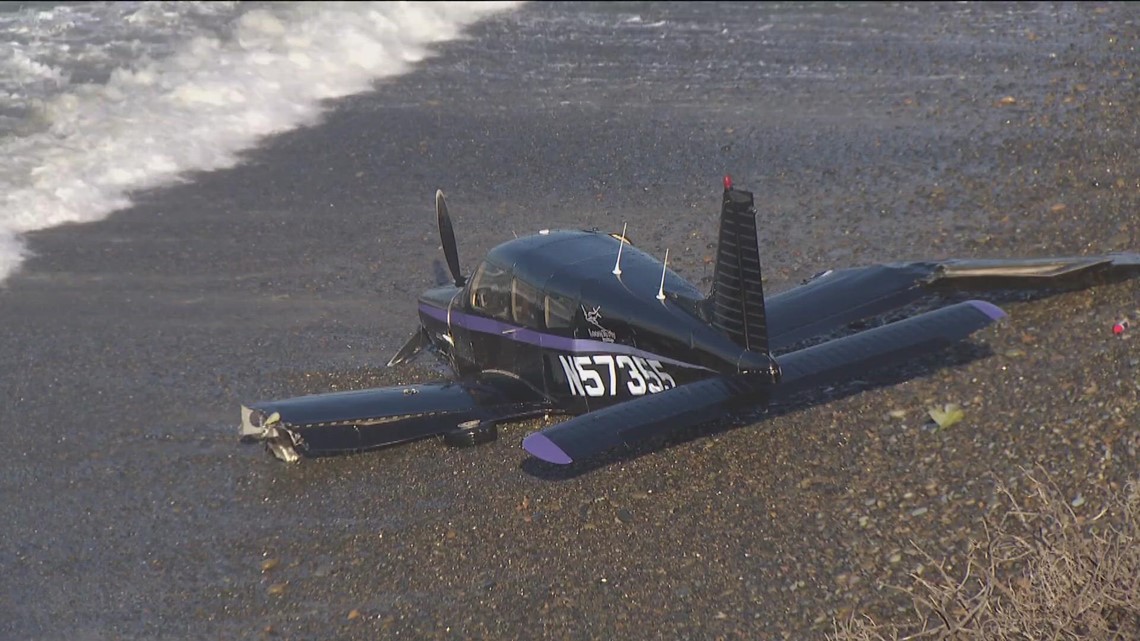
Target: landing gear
[471, 433]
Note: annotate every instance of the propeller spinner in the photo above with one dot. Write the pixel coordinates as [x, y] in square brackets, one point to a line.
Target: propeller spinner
[447, 237]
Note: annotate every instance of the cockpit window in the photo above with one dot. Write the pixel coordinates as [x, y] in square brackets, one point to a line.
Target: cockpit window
[495, 293]
[491, 291]
[559, 311]
[526, 304]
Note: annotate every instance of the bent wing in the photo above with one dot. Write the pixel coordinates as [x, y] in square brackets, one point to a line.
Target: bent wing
[340, 422]
[712, 398]
[837, 298]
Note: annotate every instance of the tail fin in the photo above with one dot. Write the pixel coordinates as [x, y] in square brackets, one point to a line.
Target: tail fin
[738, 295]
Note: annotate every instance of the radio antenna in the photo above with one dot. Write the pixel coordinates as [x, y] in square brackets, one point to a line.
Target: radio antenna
[664, 266]
[621, 242]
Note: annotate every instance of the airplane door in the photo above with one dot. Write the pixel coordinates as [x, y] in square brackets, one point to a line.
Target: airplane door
[462, 353]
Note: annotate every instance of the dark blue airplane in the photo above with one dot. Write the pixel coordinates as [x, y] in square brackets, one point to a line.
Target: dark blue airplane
[583, 323]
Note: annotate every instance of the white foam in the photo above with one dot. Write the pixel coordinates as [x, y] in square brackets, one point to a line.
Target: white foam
[196, 109]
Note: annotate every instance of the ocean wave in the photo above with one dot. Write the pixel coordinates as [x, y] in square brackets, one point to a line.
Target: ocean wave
[213, 96]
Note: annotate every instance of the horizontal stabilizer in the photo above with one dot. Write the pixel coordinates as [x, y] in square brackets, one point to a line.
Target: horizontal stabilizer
[641, 418]
[852, 356]
[838, 298]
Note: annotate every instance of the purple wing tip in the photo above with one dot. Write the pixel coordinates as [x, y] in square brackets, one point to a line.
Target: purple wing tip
[989, 309]
[542, 447]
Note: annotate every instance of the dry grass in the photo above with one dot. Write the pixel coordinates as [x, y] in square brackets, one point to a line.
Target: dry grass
[1038, 573]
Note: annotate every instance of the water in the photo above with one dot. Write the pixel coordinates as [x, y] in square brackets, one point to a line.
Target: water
[99, 99]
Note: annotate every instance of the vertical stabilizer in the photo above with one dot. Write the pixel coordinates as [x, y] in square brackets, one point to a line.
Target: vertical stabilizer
[738, 295]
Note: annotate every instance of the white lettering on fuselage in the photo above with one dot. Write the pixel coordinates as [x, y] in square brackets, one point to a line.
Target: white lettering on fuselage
[611, 374]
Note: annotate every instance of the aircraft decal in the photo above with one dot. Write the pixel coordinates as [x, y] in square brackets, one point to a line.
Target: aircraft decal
[548, 341]
[594, 317]
[614, 375]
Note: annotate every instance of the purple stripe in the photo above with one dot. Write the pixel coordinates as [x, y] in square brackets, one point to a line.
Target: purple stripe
[989, 309]
[541, 447]
[546, 341]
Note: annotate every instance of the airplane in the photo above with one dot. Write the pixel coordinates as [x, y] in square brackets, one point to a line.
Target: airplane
[583, 323]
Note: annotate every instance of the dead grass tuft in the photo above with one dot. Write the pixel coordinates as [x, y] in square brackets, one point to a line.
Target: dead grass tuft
[1039, 573]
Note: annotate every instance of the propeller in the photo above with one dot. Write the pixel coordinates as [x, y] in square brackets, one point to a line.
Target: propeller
[411, 348]
[420, 339]
[447, 237]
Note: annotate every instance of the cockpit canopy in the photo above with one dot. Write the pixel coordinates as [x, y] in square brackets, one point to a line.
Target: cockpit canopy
[498, 292]
[541, 281]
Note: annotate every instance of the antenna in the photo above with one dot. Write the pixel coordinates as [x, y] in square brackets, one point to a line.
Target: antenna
[661, 290]
[621, 242]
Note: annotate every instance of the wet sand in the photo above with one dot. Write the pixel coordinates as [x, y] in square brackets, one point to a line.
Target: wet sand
[130, 511]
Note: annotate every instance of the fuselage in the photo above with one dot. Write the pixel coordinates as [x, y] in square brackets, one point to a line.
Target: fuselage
[549, 311]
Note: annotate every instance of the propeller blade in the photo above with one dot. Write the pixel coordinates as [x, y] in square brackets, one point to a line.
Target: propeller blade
[412, 348]
[447, 237]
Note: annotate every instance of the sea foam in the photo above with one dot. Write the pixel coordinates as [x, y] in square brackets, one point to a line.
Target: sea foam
[153, 120]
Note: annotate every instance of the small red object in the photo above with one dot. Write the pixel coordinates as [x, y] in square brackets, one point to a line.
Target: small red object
[1120, 327]
[727, 182]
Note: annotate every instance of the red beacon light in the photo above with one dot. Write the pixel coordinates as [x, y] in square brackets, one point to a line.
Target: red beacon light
[727, 182]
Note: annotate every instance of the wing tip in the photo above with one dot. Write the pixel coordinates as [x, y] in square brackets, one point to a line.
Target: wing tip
[989, 309]
[540, 446]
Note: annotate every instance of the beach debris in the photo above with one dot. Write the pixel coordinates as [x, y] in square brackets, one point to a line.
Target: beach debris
[947, 415]
[1120, 327]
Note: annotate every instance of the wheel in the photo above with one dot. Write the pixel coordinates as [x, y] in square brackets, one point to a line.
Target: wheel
[471, 433]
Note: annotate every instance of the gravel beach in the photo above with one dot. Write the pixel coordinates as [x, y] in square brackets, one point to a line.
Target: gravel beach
[868, 133]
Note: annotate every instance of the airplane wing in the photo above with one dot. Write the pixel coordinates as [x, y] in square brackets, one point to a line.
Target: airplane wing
[712, 398]
[339, 422]
[837, 298]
